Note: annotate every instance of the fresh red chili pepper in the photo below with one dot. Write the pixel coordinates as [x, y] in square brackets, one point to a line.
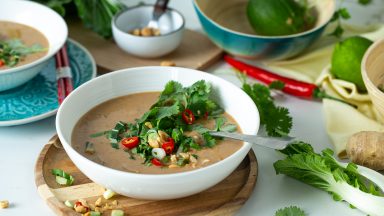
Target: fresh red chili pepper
[156, 162]
[1, 63]
[188, 116]
[130, 142]
[291, 86]
[168, 146]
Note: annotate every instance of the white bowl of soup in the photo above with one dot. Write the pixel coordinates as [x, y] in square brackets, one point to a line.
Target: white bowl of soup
[30, 34]
[126, 95]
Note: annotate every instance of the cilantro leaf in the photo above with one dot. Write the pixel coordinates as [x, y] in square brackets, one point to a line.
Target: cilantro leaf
[290, 211]
[277, 84]
[276, 120]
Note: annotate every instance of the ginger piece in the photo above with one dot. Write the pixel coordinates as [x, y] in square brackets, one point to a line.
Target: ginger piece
[366, 148]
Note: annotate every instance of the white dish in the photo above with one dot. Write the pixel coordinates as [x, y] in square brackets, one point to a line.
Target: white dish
[134, 80]
[171, 26]
[45, 20]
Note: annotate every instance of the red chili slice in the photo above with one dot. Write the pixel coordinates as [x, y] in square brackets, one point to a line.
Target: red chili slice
[188, 116]
[156, 162]
[1, 63]
[168, 146]
[130, 142]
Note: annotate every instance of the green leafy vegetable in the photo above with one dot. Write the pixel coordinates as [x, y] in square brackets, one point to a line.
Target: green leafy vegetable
[290, 211]
[14, 50]
[324, 172]
[276, 120]
[57, 5]
[63, 178]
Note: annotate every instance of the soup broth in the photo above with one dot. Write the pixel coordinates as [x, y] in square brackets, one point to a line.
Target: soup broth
[28, 36]
[104, 116]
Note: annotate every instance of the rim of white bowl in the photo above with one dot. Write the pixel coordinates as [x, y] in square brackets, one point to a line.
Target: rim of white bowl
[54, 49]
[370, 86]
[147, 5]
[263, 36]
[68, 147]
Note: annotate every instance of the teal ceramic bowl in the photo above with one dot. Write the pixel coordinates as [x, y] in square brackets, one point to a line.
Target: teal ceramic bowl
[226, 24]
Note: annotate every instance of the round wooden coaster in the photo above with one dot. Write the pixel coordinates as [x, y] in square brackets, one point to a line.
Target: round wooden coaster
[224, 198]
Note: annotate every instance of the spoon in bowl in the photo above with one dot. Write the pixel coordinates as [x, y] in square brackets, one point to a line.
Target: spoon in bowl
[269, 142]
[159, 9]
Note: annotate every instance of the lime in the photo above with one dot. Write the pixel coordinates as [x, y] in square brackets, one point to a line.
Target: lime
[346, 60]
[278, 17]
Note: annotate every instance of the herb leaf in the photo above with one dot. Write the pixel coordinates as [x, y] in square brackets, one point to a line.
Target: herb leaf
[290, 211]
[276, 120]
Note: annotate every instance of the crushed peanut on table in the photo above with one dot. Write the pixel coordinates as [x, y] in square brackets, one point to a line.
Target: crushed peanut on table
[167, 63]
[4, 204]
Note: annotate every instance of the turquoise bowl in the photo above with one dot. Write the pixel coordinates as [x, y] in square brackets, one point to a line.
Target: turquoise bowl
[226, 24]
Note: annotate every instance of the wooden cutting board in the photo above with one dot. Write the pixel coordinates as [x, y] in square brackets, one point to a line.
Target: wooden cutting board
[196, 51]
[223, 199]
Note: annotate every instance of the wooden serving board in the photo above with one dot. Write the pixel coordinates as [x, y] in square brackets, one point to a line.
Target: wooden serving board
[196, 51]
[223, 199]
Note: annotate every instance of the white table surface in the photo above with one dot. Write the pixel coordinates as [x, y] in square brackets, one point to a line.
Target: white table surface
[21, 145]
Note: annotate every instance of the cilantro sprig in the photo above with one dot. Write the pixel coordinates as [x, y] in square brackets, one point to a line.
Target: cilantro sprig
[276, 119]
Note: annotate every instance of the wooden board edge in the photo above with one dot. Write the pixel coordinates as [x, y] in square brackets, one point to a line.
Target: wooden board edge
[243, 195]
[39, 175]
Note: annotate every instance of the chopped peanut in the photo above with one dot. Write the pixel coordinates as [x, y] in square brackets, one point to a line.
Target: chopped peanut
[136, 32]
[4, 204]
[87, 214]
[98, 202]
[205, 161]
[146, 32]
[167, 63]
[173, 166]
[114, 202]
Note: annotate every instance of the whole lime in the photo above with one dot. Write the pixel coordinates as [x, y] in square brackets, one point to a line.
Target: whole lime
[278, 17]
[346, 60]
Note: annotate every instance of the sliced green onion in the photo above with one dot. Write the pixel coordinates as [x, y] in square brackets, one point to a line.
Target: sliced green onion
[63, 178]
[98, 134]
[89, 148]
[68, 203]
[108, 194]
[117, 213]
[94, 213]
[158, 153]
[120, 126]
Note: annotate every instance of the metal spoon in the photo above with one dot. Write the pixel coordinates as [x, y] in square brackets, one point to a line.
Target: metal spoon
[269, 142]
[158, 11]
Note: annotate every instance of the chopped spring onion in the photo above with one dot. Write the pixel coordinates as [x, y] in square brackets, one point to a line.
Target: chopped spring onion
[117, 213]
[68, 203]
[94, 213]
[89, 148]
[108, 194]
[63, 178]
[158, 153]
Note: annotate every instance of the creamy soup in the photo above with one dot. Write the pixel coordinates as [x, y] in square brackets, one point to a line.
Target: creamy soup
[128, 108]
[28, 36]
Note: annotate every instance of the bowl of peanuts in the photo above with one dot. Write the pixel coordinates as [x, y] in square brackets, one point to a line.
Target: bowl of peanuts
[132, 34]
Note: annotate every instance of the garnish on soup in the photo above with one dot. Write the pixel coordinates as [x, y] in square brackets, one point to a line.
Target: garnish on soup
[20, 44]
[172, 133]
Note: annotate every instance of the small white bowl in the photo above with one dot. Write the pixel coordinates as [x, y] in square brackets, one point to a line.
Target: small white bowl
[143, 79]
[171, 26]
[45, 20]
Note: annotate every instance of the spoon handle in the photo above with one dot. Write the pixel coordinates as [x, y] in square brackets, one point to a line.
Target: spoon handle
[160, 8]
[269, 142]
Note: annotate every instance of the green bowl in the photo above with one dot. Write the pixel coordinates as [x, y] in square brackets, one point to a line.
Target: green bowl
[226, 24]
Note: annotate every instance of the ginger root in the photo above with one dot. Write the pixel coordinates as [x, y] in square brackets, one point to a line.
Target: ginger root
[366, 148]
